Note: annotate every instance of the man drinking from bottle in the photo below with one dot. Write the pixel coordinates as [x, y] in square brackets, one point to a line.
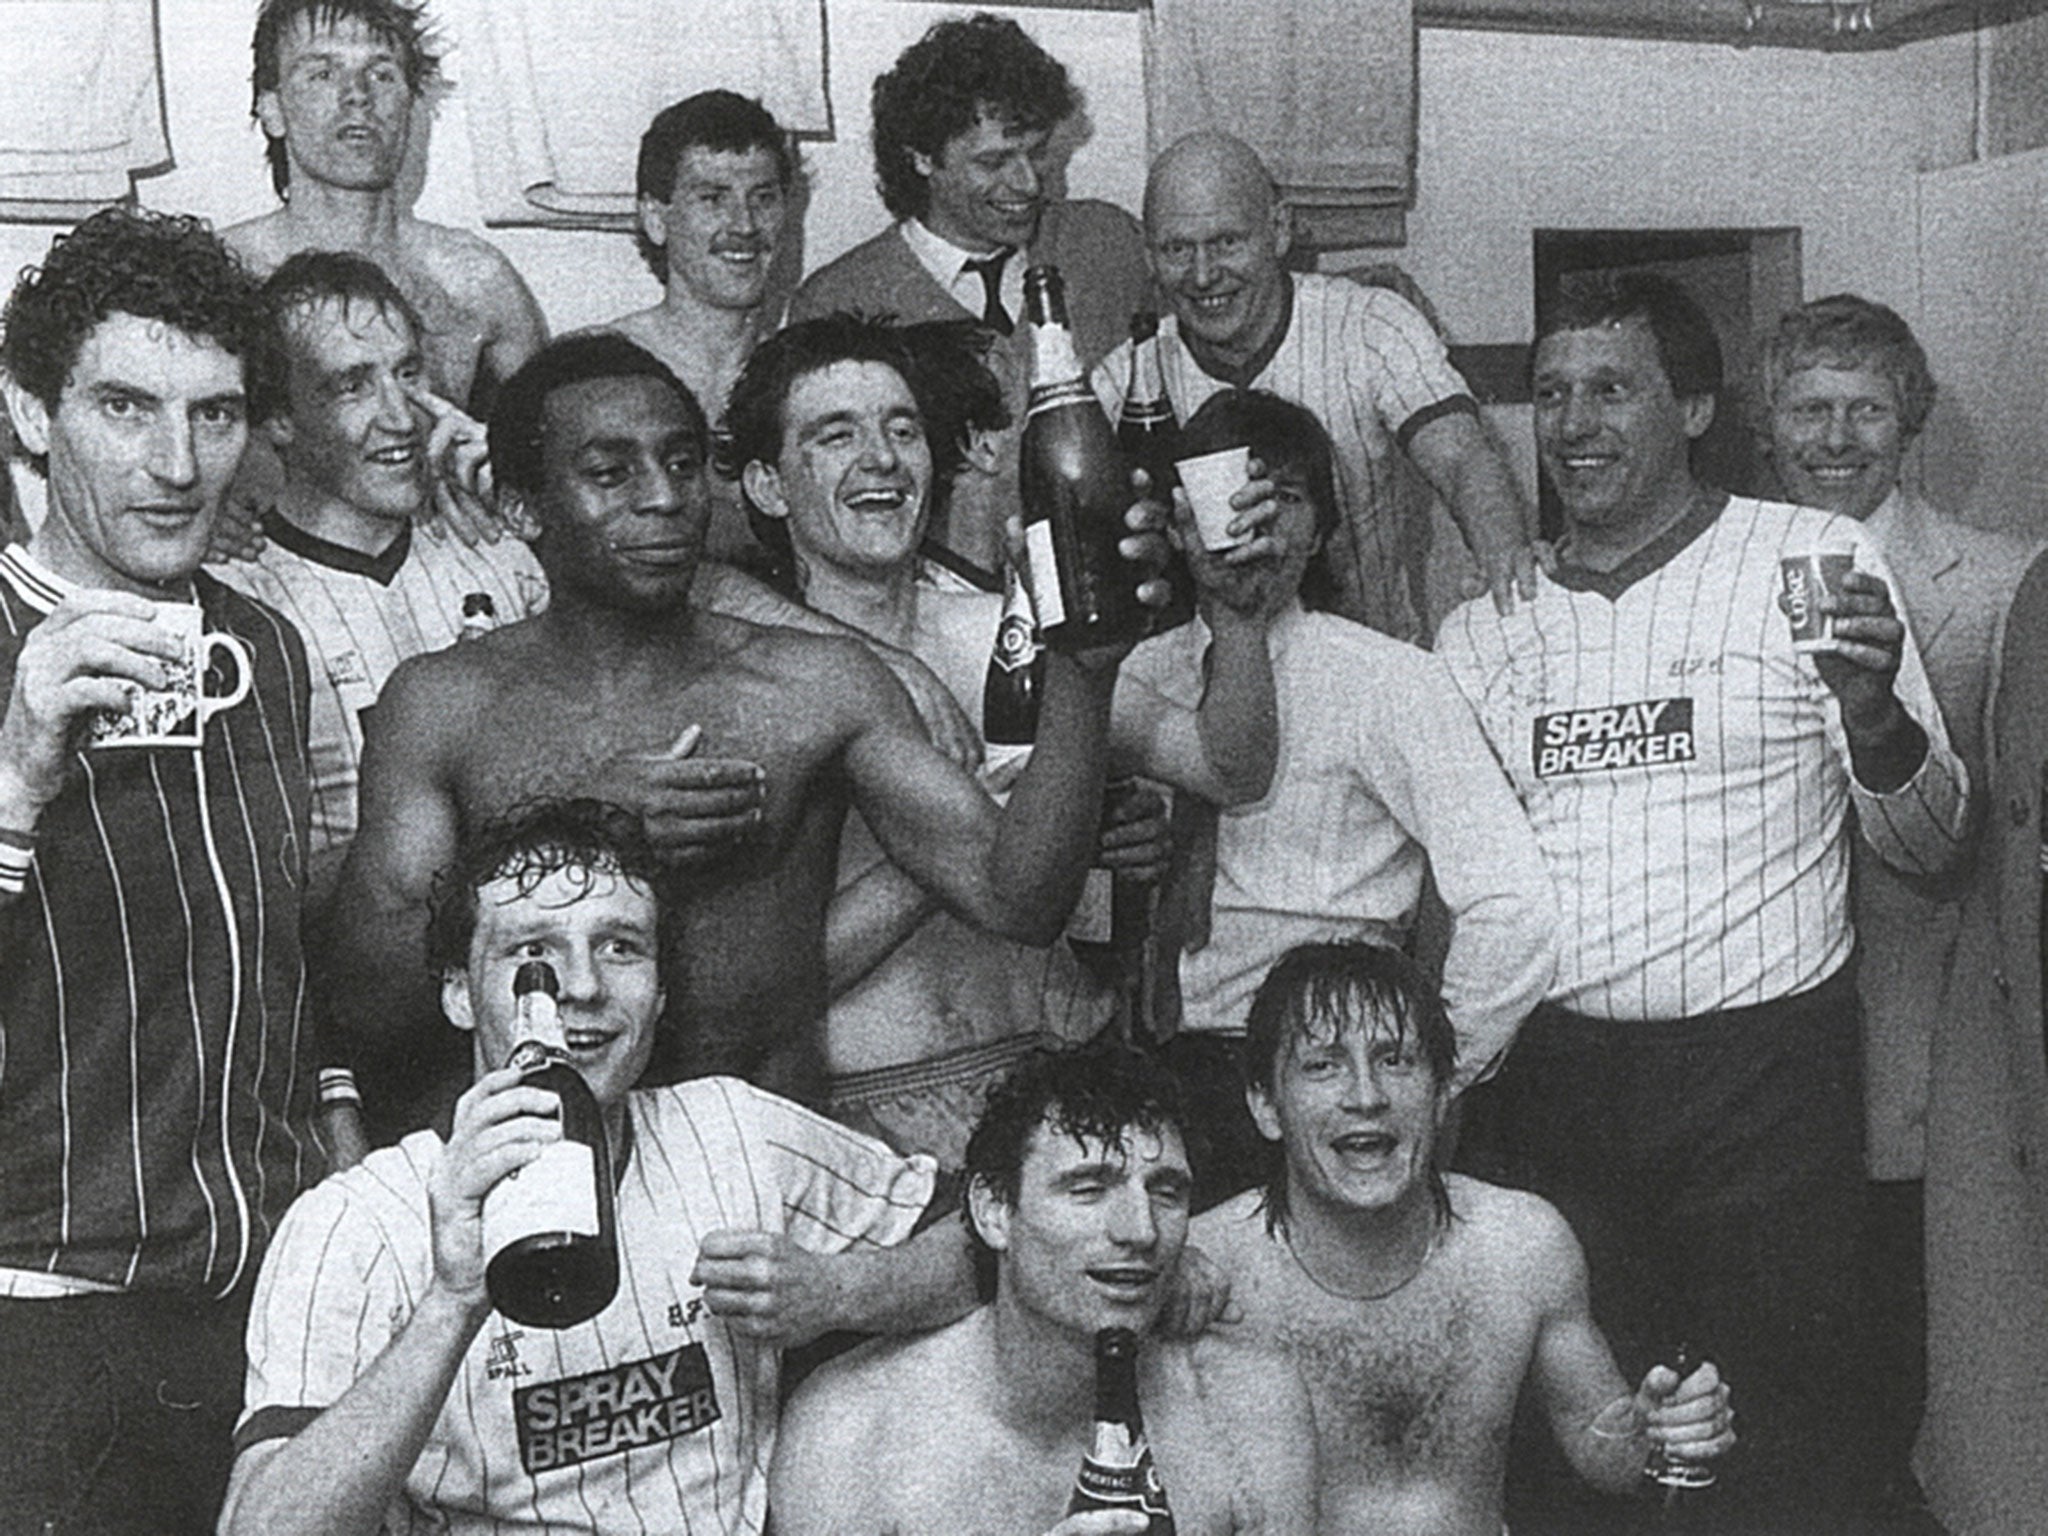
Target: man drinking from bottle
[1077, 1197]
[384, 1387]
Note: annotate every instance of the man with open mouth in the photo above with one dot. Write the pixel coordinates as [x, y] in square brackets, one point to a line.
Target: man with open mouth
[1077, 1199]
[382, 1379]
[1359, 1260]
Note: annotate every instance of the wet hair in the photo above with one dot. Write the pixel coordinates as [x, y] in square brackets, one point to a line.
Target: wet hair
[155, 266]
[1845, 330]
[518, 459]
[1094, 1094]
[1288, 439]
[583, 838]
[1687, 347]
[939, 360]
[311, 278]
[1315, 992]
[400, 24]
[944, 83]
[724, 122]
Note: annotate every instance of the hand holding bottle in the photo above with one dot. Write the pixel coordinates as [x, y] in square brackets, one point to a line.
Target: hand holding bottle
[1690, 1422]
[1102, 1522]
[500, 1126]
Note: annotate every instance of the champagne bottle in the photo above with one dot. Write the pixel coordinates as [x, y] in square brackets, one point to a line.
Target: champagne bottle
[1111, 922]
[1681, 1484]
[1149, 434]
[550, 1229]
[1117, 1472]
[1016, 676]
[1074, 488]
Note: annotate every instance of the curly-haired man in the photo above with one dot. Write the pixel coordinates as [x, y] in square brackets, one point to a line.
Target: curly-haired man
[963, 128]
[152, 1123]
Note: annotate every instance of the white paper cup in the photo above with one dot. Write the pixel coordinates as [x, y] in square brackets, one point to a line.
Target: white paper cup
[175, 715]
[1211, 479]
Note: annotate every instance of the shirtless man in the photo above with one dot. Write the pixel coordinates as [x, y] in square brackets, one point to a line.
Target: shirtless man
[714, 180]
[1077, 1194]
[1416, 1306]
[914, 1044]
[335, 85]
[743, 747]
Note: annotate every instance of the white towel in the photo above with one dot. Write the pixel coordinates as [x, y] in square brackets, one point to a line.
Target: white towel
[559, 95]
[1324, 90]
[81, 103]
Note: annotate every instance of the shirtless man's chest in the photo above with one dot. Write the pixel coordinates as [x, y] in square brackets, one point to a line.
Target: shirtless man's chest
[753, 909]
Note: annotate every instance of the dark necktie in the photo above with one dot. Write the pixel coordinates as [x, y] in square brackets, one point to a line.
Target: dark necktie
[990, 270]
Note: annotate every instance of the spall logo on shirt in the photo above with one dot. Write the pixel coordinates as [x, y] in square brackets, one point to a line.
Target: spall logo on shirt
[606, 1412]
[1612, 738]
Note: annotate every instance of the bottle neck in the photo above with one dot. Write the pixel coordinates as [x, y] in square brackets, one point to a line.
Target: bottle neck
[1116, 1388]
[1148, 382]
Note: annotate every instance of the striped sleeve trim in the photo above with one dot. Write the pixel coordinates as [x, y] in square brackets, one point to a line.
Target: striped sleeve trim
[1455, 405]
[273, 1423]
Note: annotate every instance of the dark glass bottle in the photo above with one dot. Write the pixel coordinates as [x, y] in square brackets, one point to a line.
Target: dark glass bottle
[1117, 1472]
[1112, 922]
[1149, 434]
[1016, 672]
[550, 1228]
[1075, 489]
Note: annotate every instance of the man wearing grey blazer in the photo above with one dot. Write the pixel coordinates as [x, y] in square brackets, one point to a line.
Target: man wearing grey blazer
[1846, 388]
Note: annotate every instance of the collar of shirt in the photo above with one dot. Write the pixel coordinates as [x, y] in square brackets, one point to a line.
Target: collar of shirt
[947, 264]
[1883, 523]
[42, 588]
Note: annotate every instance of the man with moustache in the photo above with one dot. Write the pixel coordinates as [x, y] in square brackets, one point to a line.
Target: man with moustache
[345, 561]
[1688, 1095]
[715, 180]
[1845, 391]
[153, 1095]
[1363, 359]
[963, 125]
[335, 85]
[1077, 1202]
[742, 746]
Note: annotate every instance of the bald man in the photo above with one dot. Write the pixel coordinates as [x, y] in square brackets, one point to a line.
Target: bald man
[1363, 359]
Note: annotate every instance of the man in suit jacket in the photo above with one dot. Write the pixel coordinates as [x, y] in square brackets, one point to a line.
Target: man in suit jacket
[1847, 388]
[962, 129]
[1984, 1454]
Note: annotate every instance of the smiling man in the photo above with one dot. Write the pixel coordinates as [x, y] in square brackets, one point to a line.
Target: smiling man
[1846, 390]
[1358, 1259]
[742, 746]
[715, 180]
[353, 431]
[1688, 1094]
[153, 1104]
[1077, 1196]
[963, 127]
[335, 85]
[380, 1377]
[1364, 360]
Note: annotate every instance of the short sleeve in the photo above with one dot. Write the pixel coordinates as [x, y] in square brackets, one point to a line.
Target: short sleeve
[839, 1189]
[333, 1292]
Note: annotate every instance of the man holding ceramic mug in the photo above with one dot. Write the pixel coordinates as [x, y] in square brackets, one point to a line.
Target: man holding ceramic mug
[1689, 1093]
[153, 805]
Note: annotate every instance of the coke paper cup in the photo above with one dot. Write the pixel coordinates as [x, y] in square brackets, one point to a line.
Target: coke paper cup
[1807, 579]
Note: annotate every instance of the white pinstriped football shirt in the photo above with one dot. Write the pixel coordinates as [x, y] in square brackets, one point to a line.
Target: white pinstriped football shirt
[1375, 372]
[1686, 770]
[361, 615]
[654, 1416]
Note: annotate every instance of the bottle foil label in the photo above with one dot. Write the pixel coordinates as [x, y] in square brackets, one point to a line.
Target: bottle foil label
[1133, 1485]
[556, 1192]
